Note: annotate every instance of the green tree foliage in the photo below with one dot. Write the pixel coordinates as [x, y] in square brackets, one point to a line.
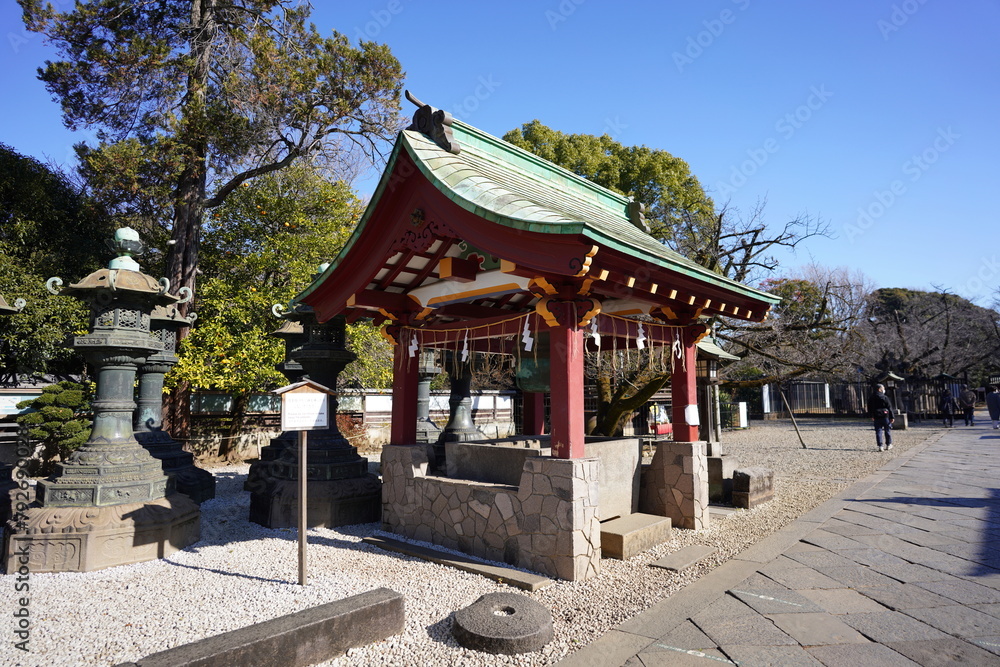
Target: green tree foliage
[263, 246]
[47, 227]
[60, 420]
[192, 98]
[662, 182]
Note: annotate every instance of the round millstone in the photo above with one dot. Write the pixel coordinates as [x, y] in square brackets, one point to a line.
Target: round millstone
[506, 623]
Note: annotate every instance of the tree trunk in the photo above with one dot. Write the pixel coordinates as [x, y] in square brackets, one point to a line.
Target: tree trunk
[611, 415]
[189, 195]
[228, 452]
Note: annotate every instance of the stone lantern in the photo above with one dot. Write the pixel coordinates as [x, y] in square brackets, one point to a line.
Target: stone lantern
[178, 465]
[109, 503]
[7, 483]
[341, 491]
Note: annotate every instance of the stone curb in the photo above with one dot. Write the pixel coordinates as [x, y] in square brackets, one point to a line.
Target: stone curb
[304, 638]
[523, 580]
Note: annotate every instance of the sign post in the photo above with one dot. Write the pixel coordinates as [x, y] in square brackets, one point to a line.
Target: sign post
[305, 406]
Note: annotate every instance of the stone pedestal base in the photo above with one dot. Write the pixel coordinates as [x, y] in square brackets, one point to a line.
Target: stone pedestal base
[178, 465]
[83, 539]
[675, 484]
[341, 502]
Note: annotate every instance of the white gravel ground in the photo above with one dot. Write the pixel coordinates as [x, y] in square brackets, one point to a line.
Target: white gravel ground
[241, 573]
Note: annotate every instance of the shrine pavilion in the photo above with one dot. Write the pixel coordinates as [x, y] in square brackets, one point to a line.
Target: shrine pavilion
[473, 245]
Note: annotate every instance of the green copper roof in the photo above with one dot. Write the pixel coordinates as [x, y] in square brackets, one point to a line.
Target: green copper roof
[512, 187]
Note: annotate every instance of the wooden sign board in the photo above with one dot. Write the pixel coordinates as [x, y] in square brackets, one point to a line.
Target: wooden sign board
[305, 406]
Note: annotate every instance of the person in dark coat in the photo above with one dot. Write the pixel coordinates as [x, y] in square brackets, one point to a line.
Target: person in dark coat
[881, 412]
[967, 400]
[993, 405]
[947, 407]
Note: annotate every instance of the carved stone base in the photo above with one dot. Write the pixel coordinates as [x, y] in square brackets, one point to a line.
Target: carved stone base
[329, 503]
[83, 539]
[178, 466]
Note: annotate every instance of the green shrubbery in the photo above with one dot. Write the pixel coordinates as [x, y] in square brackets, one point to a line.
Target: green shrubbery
[60, 421]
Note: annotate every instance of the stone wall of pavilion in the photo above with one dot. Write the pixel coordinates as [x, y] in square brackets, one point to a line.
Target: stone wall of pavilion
[549, 523]
[675, 484]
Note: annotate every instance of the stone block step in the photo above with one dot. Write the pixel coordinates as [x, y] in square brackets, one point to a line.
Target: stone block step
[307, 637]
[524, 580]
[633, 534]
[684, 557]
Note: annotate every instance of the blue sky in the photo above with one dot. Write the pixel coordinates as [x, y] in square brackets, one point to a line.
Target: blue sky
[879, 116]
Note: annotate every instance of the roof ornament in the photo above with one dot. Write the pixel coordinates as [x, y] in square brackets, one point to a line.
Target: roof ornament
[637, 215]
[435, 123]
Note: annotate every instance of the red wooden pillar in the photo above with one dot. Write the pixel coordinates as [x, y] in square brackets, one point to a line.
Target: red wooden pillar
[684, 390]
[566, 385]
[404, 395]
[533, 413]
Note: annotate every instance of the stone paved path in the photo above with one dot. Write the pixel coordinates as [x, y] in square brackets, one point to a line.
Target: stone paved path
[903, 568]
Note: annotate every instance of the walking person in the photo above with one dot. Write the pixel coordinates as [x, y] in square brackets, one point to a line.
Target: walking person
[993, 405]
[967, 401]
[947, 407]
[881, 412]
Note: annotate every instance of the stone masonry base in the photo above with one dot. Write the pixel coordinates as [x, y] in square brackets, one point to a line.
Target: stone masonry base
[675, 484]
[548, 523]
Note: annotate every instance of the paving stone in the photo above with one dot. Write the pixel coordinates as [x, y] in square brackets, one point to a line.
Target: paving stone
[828, 540]
[925, 539]
[860, 654]
[910, 573]
[856, 576]
[991, 644]
[801, 547]
[729, 621]
[668, 656]
[905, 596]
[963, 592]
[958, 620]
[774, 601]
[818, 559]
[783, 656]
[686, 636]
[800, 578]
[612, 648]
[871, 556]
[891, 626]
[848, 529]
[817, 628]
[991, 609]
[944, 563]
[944, 652]
[779, 564]
[684, 558]
[842, 601]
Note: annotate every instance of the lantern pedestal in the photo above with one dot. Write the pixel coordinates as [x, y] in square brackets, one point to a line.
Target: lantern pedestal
[340, 491]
